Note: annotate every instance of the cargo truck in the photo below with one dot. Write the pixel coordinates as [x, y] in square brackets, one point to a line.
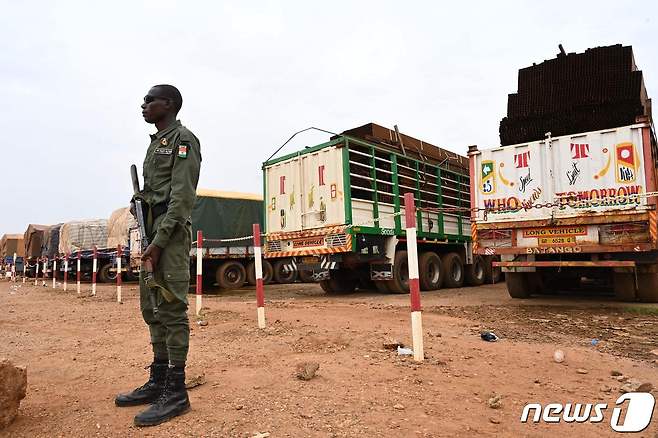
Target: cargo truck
[571, 208]
[222, 217]
[336, 210]
[78, 238]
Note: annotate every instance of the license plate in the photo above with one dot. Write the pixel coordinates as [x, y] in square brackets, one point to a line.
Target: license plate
[310, 260]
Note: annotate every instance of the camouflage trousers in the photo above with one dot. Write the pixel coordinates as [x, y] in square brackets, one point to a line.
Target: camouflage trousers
[170, 329]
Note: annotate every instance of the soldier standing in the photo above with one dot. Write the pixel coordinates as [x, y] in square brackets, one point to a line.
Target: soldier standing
[171, 174]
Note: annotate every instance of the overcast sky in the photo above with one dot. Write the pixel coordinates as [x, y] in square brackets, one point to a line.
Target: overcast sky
[73, 75]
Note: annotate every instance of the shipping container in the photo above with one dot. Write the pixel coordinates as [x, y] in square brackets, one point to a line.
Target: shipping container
[570, 208]
[334, 211]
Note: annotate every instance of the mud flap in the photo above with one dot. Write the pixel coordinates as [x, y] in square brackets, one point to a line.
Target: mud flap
[381, 271]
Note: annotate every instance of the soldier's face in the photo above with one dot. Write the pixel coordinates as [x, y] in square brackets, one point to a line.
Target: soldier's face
[156, 106]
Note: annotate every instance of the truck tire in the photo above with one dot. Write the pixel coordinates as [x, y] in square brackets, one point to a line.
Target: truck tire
[251, 272]
[382, 286]
[340, 282]
[400, 282]
[475, 272]
[105, 275]
[306, 276]
[624, 286]
[453, 270]
[282, 277]
[231, 275]
[492, 275]
[647, 291]
[430, 271]
[517, 284]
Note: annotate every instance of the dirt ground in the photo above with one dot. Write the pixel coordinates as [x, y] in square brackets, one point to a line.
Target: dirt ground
[81, 350]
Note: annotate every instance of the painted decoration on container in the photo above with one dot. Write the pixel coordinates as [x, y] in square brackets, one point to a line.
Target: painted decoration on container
[625, 163]
[488, 178]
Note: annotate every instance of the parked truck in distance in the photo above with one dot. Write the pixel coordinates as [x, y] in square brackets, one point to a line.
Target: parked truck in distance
[335, 211]
[570, 208]
[222, 217]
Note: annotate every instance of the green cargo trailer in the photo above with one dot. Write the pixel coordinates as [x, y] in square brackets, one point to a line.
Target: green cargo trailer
[335, 211]
[223, 218]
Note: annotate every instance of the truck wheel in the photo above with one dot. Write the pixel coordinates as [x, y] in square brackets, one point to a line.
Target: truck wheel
[517, 284]
[492, 275]
[340, 282]
[624, 286]
[475, 272]
[282, 277]
[105, 275]
[382, 286]
[430, 271]
[453, 270]
[231, 275]
[400, 282]
[647, 291]
[306, 277]
[251, 272]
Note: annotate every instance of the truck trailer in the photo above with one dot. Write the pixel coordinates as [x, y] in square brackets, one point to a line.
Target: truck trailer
[336, 210]
[570, 208]
[225, 220]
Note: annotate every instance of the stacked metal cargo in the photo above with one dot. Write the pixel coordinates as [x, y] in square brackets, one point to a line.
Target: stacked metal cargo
[576, 92]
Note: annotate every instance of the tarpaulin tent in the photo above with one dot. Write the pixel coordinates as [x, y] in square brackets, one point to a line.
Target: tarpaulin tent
[50, 245]
[83, 235]
[118, 226]
[33, 239]
[226, 215]
[10, 244]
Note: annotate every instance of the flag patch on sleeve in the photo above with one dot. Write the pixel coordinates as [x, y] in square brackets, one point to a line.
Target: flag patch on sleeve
[182, 151]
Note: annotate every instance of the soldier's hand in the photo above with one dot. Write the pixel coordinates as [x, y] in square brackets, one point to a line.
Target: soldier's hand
[152, 253]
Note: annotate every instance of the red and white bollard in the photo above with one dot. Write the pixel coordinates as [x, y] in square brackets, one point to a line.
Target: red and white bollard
[36, 271]
[78, 273]
[258, 265]
[54, 272]
[414, 285]
[44, 271]
[13, 270]
[66, 271]
[199, 271]
[94, 266]
[119, 273]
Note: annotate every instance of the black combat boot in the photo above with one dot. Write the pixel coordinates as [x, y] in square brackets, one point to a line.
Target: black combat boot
[172, 402]
[148, 392]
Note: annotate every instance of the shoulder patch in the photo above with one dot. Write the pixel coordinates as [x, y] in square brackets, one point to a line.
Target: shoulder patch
[182, 151]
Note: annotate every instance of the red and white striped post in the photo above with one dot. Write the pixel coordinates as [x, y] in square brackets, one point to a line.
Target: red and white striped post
[77, 273]
[54, 272]
[119, 273]
[13, 270]
[414, 285]
[94, 267]
[36, 271]
[43, 272]
[66, 271]
[258, 266]
[199, 271]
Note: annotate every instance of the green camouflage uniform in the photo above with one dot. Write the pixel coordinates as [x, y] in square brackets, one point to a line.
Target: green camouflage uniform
[171, 174]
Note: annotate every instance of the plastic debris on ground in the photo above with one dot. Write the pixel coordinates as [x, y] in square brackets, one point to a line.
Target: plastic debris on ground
[489, 336]
[405, 351]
